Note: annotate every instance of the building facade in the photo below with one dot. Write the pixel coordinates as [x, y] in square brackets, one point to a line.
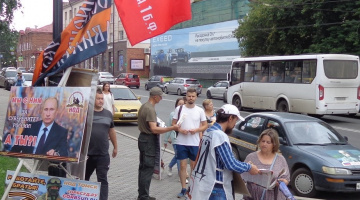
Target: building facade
[31, 42]
[202, 47]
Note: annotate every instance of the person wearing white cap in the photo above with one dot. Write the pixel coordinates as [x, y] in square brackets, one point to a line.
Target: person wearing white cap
[19, 79]
[211, 178]
[147, 124]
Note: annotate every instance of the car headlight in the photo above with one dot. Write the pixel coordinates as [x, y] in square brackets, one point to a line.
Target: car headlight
[336, 171]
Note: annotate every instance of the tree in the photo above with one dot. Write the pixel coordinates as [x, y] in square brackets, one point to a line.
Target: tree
[8, 37]
[285, 27]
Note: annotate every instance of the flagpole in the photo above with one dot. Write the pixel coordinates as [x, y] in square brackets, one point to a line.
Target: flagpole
[113, 39]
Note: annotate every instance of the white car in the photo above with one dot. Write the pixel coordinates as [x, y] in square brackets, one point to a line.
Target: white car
[105, 77]
[28, 79]
[218, 90]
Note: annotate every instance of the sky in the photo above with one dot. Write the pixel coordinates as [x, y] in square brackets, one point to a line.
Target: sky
[34, 13]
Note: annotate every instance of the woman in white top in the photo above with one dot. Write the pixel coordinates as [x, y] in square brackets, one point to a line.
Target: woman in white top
[108, 98]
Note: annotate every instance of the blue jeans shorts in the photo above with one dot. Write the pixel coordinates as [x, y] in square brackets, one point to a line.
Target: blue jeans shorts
[185, 152]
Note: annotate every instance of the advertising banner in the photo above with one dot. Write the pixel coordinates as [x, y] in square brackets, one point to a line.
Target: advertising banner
[196, 51]
[41, 187]
[45, 122]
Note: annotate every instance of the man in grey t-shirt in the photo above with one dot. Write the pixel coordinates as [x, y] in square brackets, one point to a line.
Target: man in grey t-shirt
[147, 141]
[98, 151]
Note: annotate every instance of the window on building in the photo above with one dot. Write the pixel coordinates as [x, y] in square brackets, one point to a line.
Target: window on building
[121, 35]
[65, 17]
[70, 15]
[75, 12]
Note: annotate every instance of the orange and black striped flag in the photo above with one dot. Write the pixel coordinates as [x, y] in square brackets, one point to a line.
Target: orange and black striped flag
[83, 38]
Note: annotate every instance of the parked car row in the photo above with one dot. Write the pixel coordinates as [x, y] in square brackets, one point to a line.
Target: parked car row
[7, 78]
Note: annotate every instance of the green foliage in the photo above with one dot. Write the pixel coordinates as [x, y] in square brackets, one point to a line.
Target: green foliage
[7, 163]
[285, 27]
[8, 37]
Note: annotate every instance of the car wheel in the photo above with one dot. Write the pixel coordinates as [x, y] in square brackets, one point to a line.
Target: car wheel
[283, 106]
[166, 90]
[235, 152]
[208, 94]
[179, 92]
[302, 182]
[137, 87]
[146, 87]
[237, 102]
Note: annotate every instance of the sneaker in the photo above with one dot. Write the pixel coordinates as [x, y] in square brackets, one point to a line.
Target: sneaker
[170, 171]
[182, 193]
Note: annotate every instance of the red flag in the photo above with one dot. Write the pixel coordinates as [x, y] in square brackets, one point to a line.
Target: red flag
[144, 19]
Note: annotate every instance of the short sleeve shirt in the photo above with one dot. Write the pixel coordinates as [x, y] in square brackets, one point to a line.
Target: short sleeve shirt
[146, 114]
[99, 140]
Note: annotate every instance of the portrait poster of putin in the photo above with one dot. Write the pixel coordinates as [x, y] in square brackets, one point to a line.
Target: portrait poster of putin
[45, 121]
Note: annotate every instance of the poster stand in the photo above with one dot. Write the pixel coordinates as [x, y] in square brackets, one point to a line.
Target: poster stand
[69, 79]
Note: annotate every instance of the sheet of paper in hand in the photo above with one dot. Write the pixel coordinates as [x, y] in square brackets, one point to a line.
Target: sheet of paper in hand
[264, 179]
[182, 118]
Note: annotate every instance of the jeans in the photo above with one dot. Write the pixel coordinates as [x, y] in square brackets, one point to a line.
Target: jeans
[218, 193]
[175, 160]
[146, 145]
[101, 163]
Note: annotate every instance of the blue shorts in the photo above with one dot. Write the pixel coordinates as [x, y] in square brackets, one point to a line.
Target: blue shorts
[185, 152]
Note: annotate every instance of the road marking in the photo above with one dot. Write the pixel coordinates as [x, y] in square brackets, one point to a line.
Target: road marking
[346, 129]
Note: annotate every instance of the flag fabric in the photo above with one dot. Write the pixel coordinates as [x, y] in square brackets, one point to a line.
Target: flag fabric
[83, 38]
[144, 19]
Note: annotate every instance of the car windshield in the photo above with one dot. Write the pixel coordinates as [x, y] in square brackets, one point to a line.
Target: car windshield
[123, 94]
[313, 133]
[28, 77]
[11, 73]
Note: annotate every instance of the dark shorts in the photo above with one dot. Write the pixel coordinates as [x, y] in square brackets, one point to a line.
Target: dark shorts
[185, 152]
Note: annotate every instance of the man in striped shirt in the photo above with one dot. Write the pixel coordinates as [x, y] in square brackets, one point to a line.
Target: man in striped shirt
[212, 175]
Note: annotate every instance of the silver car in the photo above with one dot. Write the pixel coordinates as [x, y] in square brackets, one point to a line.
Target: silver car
[217, 90]
[181, 85]
[105, 77]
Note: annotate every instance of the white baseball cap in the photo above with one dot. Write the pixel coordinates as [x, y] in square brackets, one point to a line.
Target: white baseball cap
[232, 110]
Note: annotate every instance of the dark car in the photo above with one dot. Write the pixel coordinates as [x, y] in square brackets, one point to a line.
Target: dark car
[183, 55]
[128, 79]
[157, 80]
[7, 78]
[319, 158]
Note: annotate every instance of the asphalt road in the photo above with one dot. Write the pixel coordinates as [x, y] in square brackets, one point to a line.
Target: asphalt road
[347, 126]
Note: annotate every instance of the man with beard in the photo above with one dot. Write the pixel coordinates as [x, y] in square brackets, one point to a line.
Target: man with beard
[211, 178]
[192, 122]
[53, 187]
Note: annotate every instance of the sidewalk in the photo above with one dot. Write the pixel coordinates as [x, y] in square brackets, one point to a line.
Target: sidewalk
[123, 174]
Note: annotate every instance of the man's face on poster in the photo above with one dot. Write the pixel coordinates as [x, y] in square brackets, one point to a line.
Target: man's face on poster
[49, 111]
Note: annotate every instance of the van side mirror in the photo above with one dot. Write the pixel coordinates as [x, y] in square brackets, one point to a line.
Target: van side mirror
[139, 98]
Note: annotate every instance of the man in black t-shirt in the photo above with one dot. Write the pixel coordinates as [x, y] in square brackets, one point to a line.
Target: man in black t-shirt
[98, 151]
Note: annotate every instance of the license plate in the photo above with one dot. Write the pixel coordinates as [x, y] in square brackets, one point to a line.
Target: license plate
[129, 115]
[358, 186]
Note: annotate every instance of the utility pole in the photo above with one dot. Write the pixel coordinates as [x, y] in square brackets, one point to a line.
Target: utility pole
[113, 39]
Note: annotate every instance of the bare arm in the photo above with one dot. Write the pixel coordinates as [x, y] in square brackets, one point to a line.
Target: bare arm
[159, 130]
[113, 140]
[202, 128]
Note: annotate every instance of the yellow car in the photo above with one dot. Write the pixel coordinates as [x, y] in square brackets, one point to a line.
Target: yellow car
[127, 104]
